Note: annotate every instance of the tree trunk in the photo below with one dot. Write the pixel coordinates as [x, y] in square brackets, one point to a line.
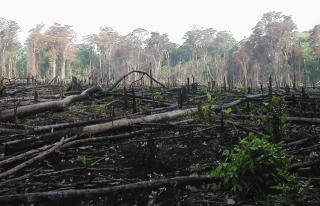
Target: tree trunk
[63, 66]
[3, 63]
[33, 72]
[53, 67]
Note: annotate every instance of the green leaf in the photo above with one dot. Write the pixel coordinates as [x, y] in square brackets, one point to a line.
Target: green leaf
[228, 110]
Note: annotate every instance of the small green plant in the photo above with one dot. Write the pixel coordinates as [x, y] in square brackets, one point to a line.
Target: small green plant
[243, 89]
[227, 111]
[157, 95]
[76, 119]
[83, 160]
[196, 168]
[206, 109]
[99, 109]
[294, 192]
[252, 167]
[55, 116]
[277, 107]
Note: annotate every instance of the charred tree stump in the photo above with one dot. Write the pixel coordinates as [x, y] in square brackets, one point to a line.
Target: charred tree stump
[270, 86]
[224, 84]
[35, 95]
[75, 85]
[134, 103]
[287, 89]
[294, 81]
[188, 85]
[303, 96]
[276, 133]
[125, 98]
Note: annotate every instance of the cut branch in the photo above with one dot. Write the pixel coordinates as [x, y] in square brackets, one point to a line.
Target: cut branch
[87, 193]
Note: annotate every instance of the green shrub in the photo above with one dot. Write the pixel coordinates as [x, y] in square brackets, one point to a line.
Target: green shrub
[252, 167]
[83, 160]
[206, 109]
[294, 192]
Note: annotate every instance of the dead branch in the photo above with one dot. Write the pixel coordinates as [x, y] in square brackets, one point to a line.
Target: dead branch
[87, 193]
[134, 71]
[40, 156]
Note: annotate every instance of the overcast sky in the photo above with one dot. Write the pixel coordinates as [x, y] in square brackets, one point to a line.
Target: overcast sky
[173, 17]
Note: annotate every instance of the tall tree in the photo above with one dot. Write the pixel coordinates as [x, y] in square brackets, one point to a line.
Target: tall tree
[272, 41]
[59, 37]
[8, 38]
[35, 43]
[159, 46]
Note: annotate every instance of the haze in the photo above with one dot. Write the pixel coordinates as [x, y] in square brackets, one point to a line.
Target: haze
[166, 16]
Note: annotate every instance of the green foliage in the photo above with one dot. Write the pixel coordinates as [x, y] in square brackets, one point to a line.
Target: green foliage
[76, 119]
[99, 109]
[252, 167]
[83, 160]
[227, 111]
[278, 107]
[55, 116]
[157, 95]
[217, 89]
[206, 109]
[293, 192]
[196, 168]
[21, 61]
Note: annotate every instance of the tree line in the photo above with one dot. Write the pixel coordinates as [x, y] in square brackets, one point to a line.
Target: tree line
[275, 48]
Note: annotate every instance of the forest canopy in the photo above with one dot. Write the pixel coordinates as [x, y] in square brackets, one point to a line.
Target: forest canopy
[274, 48]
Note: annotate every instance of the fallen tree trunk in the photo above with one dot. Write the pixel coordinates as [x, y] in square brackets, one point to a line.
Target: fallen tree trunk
[22, 156]
[47, 106]
[298, 165]
[125, 122]
[88, 193]
[13, 146]
[304, 120]
[40, 156]
[61, 104]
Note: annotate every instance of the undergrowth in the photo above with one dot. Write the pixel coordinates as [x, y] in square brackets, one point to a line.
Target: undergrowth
[257, 169]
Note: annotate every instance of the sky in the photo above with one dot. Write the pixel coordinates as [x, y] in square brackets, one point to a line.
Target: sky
[173, 17]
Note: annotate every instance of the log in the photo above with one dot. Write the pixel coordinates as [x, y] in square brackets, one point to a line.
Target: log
[89, 193]
[125, 122]
[22, 156]
[47, 106]
[304, 120]
[13, 146]
[40, 156]
[298, 165]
